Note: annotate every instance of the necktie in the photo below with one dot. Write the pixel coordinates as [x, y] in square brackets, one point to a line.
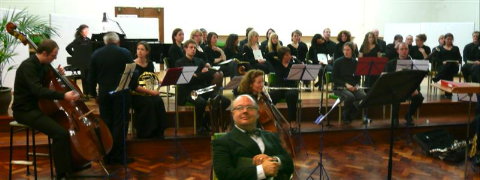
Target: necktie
[255, 132]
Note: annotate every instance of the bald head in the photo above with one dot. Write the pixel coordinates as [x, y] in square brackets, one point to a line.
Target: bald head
[245, 112]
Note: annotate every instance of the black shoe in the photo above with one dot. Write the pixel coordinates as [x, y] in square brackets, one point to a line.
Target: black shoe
[435, 79]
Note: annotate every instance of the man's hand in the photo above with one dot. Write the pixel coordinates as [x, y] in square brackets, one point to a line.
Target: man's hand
[270, 167]
[477, 62]
[258, 159]
[415, 93]
[61, 70]
[71, 96]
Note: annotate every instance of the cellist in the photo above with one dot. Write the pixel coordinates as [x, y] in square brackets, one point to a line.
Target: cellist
[28, 90]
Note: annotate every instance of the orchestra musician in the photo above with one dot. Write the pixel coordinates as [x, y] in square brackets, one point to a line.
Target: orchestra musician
[409, 41]
[381, 43]
[204, 37]
[329, 43]
[107, 66]
[232, 51]
[391, 51]
[251, 84]
[298, 48]
[370, 48]
[248, 52]
[196, 35]
[149, 109]
[247, 152]
[346, 84]
[81, 39]
[318, 46]
[28, 90]
[420, 50]
[216, 55]
[203, 77]
[282, 67]
[416, 97]
[176, 49]
[447, 60]
[471, 57]
[344, 37]
[244, 41]
[272, 48]
[264, 44]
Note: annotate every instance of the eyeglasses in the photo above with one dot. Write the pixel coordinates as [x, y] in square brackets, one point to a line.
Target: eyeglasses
[241, 108]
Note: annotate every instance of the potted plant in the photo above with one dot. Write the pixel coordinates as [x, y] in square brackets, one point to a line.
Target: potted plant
[30, 25]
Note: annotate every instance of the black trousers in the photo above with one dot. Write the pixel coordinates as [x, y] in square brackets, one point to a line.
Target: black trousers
[291, 97]
[114, 111]
[61, 139]
[201, 103]
[416, 102]
[349, 99]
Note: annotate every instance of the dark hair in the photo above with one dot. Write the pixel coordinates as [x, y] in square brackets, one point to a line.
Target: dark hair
[282, 51]
[350, 45]
[47, 45]
[397, 37]
[209, 38]
[365, 45]
[347, 33]
[190, 41]
[266, 34]
[146, 45]
[448, 35]
[78, 33]
[476, 32]
[295, 32]
[422, 37]
[175, 32]
[248, 31]
[315, 38]
[230, 44]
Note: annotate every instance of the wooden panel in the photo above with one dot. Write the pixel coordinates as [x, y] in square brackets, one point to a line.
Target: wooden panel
[146, 12]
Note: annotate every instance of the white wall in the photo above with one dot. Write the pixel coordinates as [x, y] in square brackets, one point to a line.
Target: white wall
[225, 17]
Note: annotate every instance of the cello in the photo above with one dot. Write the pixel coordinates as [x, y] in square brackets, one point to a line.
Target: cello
[90, 138]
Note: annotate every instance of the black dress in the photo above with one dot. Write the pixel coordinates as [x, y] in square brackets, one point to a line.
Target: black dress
[235, 54]
[174, 53]
[416, 54]
[149, 116]
[470, 72]
[448, 70]
[248, 56]
[300, 52]
[211, 55]
[86, 44]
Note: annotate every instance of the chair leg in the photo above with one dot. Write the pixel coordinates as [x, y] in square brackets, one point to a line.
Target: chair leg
[11, 154]
[34, 148]
[50, 156]
[27, 130]
[194, 121]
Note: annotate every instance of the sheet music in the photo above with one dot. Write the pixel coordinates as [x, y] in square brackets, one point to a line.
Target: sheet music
[216, 67]
[311, 71]
[296, 72]
[421, 65]
[257, 54]
[322, 58]
[225, 62]
[187, 74]
[126, 77]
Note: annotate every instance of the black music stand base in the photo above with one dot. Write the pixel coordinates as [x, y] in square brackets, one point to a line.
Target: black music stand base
[321, 168]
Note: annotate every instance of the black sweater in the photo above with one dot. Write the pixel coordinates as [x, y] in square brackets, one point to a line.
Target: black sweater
[343, 72]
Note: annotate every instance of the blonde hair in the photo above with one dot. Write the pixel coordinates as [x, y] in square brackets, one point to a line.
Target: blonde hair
[195, 31]
[270, 44]
[250, 36]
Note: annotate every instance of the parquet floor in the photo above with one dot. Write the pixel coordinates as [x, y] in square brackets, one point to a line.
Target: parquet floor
[353, 161]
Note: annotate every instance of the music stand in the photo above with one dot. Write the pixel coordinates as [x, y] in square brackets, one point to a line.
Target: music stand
[370, 66]
[121, 90]
[176, 76]
[393, 88]
[170, 78]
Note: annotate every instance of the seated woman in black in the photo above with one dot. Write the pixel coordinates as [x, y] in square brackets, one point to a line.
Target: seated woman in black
[150, 116]
[264, 44]
[215, 55]
[391, 50]
[344, 37]
[420, 50]
[176, 51]
[298, 48]
[447, 59]
[370, 48]
[318, 46]
[232, 51]
[346, 84]
[197, 36]
[272, 48]
[282, 68]
[249, 55]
